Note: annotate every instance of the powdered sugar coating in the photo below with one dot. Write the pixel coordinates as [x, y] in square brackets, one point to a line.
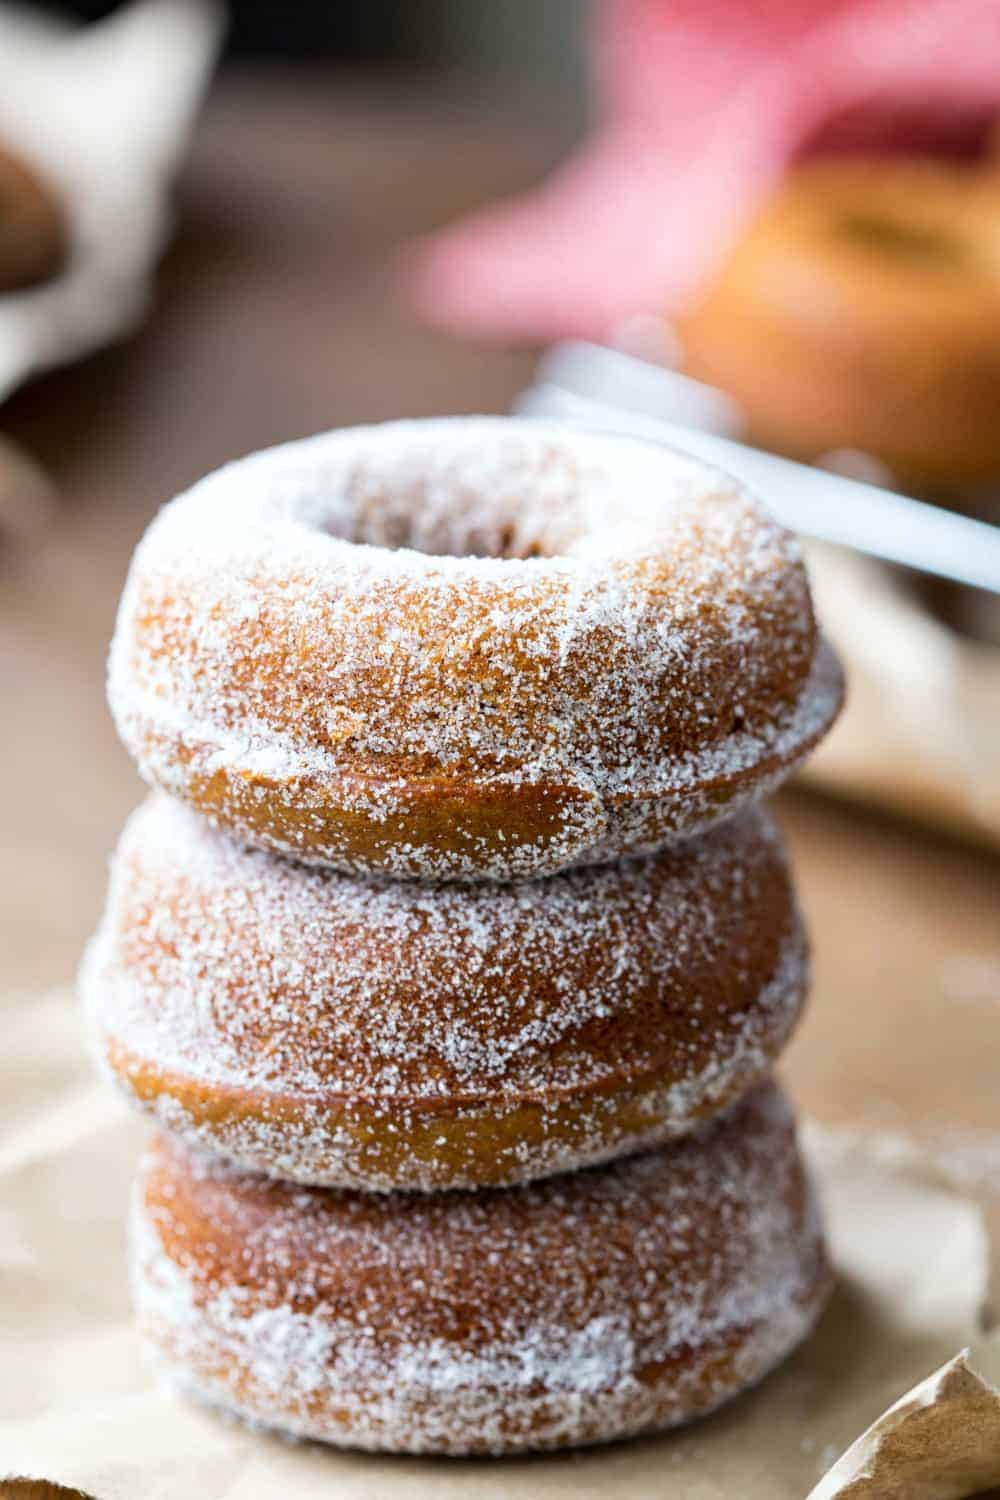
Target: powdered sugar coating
[467, 648]
[576, 1310]
[381, 1035]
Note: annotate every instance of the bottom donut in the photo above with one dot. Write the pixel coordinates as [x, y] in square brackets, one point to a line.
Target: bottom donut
[615, 1301]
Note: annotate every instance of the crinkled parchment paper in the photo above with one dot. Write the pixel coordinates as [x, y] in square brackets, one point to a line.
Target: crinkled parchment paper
[104, 112]
[77, 1405]
[938, 1442]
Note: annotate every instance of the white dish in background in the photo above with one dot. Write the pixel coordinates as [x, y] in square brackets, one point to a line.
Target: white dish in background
[104, 112]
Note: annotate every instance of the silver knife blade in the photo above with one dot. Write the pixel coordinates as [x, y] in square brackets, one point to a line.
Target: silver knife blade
[830, 507]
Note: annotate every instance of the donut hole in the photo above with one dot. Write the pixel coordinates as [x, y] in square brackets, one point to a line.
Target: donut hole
[447, 531]
[490, 488]
[443, 520]
[479, 490]
[920, 243]
[510, 544]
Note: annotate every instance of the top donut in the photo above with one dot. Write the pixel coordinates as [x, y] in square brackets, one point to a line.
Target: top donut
[468, 648]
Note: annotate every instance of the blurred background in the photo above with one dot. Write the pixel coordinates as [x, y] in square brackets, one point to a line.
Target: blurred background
[524, 45]
[322, 215]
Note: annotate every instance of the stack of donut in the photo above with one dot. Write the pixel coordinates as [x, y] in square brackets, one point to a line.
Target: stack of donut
[452, 951]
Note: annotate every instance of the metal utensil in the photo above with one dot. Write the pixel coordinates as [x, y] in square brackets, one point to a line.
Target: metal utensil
[606, 389]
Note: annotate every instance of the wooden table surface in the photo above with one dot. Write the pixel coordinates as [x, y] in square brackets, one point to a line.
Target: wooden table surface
[277, 317]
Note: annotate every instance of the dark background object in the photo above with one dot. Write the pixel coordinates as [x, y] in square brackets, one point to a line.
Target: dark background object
[526, 43]
[370, 31]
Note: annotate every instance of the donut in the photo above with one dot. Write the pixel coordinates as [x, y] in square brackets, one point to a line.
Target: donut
[468, 648]
[611, 1302]
[33, 234]
[409, 1034]
[861, 310]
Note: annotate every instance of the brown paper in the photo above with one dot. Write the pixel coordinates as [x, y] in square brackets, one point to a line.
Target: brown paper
[938, 1442]
[78, 1406]
[104, 112]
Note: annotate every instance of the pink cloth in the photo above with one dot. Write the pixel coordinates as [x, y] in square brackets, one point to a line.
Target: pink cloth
[703, 103]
